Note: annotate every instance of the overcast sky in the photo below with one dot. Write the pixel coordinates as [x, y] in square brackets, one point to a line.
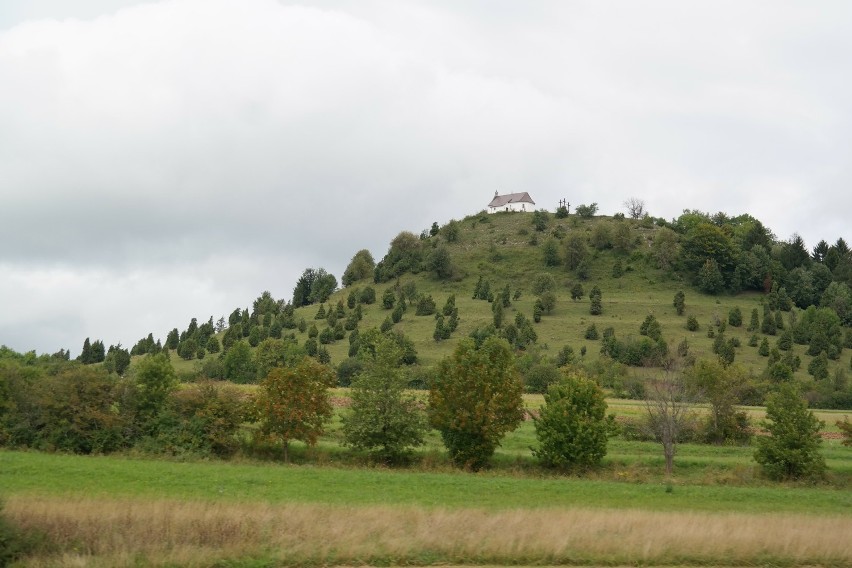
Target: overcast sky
[171, 159]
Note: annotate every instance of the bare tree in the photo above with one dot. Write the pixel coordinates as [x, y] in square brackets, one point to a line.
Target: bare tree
[667, 404]
[635, 207]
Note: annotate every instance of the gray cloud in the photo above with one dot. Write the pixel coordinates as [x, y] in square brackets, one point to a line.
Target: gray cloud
[163, 160]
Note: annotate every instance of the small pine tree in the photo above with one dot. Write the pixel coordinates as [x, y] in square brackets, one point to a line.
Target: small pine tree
[439, 332]
[692, 323]
[497, 311]
[818, 367]
[763, 350]
[425, 306]
[592, 332]
[450, 306]
[396, 314]
[679, 302]
[768, 326]
[596, 301]
[651, 328]
[577, 292]
[785, 340]
[779, 321]
[754, 324]
[550, 252]
[388, 299]
[565, 356]
[792, 449]
[735, 317]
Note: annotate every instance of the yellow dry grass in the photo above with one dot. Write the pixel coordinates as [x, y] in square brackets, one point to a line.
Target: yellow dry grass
[102, 532]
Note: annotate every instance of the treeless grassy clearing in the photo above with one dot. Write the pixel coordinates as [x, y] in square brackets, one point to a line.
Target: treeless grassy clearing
[125, 532]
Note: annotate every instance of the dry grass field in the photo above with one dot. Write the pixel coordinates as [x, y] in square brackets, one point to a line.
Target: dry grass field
[123, 532]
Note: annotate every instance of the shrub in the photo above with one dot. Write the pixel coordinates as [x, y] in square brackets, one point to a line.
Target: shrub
[565, 356]
[425, 306]
[651, 328]
[586, 211]
[539, 377]
[368, 295]
[572, 427]
[543, 283]
[14, 542]
[205, 420]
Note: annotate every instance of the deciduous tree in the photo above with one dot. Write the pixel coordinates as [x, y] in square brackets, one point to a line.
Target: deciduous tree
[475, 399]
[382, 418]
[293, 403]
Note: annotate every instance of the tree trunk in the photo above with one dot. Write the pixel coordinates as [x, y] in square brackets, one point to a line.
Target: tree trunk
[669, 450]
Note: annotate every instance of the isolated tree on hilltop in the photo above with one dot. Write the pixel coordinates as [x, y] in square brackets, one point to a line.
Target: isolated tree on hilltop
[361, 266]
[635, 207]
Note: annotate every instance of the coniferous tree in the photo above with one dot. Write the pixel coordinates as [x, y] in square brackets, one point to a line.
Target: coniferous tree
[550, 251]
[692, 323]
[754, 324]
[388, 299]
[86, 354]
[679, 302]
[735, 317]
[596, 302]
[792, 449]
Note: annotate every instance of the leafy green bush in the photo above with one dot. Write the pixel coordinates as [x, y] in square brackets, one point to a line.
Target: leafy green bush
[572, 426]
[539, 377]
[475, 399]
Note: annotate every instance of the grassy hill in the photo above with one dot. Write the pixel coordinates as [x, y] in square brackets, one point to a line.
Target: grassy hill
[505, 249]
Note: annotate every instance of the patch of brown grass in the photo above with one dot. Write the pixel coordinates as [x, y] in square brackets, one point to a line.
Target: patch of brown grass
[92, 532]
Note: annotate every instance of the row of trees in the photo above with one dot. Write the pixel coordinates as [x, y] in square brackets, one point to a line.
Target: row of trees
[474, 400]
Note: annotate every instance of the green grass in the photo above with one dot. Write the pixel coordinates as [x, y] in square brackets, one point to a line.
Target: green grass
[23, 473]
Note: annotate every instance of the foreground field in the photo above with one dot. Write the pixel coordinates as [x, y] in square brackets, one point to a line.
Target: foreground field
[103, 531]
[111, 511]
